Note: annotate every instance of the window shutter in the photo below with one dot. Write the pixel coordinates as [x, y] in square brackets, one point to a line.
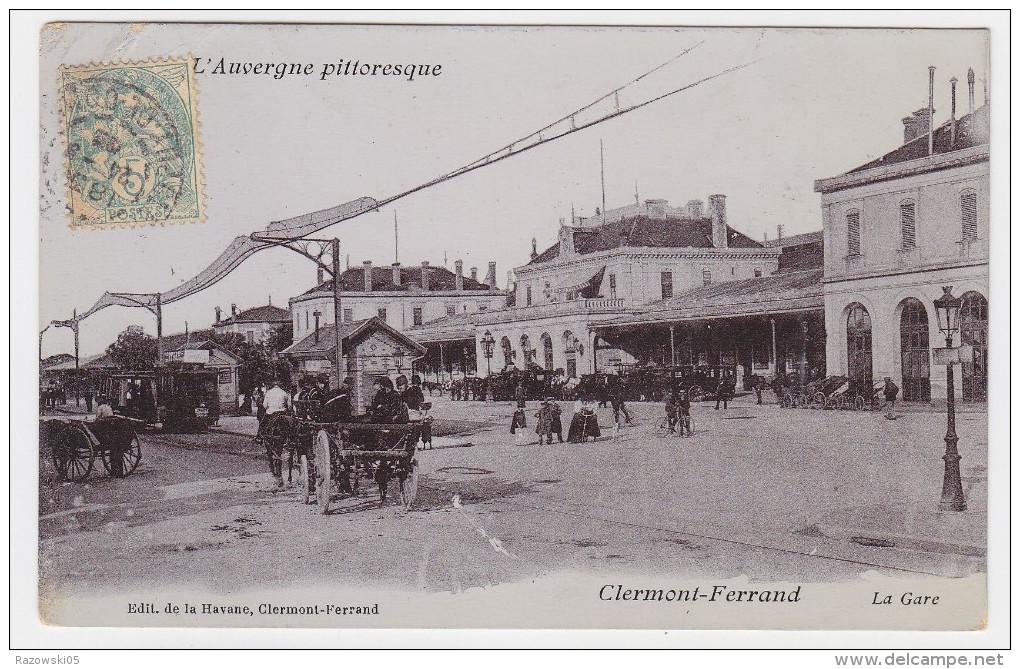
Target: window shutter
[968, 208]
[907, 229]
[853, 233]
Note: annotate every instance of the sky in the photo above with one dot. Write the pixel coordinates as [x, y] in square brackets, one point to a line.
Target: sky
[812, 103]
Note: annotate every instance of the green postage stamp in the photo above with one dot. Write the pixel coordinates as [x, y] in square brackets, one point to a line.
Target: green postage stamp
[131, 136]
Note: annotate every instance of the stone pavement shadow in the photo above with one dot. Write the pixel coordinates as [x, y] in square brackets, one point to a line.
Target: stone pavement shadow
[437, 491]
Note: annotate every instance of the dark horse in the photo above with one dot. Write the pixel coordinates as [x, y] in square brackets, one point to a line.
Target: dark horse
[278, 433]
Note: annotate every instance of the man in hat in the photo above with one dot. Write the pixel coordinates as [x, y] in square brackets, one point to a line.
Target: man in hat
[387, 407]
[890, 390]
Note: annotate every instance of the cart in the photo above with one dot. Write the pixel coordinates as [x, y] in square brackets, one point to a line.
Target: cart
[345, 453]
[830, 393]
[74, 445]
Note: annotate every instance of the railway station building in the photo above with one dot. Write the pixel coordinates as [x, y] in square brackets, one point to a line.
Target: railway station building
[898, 229]
[650, 284]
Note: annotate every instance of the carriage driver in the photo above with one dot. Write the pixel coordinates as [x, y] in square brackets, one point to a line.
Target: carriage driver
[337, 407]
[387, 406]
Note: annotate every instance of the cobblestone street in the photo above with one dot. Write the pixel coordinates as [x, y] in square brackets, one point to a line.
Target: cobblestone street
[768, 493]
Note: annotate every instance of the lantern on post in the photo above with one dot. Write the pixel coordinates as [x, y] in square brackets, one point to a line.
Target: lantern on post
[947, 312]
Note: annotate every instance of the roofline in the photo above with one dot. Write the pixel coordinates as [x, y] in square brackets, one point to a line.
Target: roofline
[684, 251]
[318, 294]
[932, 163]
[352, 334]
[747, 314]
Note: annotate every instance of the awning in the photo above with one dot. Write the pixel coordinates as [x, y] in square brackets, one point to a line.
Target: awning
[581, 279]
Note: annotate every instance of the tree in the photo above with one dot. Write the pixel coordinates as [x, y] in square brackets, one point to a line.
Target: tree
[133, 349]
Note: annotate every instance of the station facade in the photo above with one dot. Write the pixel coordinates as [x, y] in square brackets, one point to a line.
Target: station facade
[897, 230]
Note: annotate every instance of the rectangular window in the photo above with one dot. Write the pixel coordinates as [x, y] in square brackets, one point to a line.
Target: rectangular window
[907, 229]
[348, 315]
[451, 310]
[306, 320]
[853, 233]
[528, 296]
[666, 279]
[382, 314]
[249, 336]
[612, 286]
[706, 277]
[757, 272]
[417, 314]
[968, 207]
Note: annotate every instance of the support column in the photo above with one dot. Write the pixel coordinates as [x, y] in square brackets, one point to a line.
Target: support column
[672, 345]
[337, 314]
[159, 329]
[802, 362]
[775, 357]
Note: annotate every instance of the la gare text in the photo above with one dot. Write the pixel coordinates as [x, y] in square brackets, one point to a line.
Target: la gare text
[341, 68]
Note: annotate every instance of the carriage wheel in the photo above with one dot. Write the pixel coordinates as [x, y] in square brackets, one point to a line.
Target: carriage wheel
[409, 486]
[306, 475]
[818, 401]
[323, 471]
[858, 404]
[130, 457]
[72, 454]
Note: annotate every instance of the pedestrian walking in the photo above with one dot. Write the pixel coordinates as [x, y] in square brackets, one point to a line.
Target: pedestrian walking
[759, 387]
[616, 397]
[890, 390]
[722, 393]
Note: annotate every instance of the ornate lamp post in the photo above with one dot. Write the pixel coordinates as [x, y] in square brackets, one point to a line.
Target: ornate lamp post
[947, 310]
[398, 357]
[488, 342]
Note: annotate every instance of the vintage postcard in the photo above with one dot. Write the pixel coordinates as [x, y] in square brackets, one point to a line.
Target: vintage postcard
[514, 327]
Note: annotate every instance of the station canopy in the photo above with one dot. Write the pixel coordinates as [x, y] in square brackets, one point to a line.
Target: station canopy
[581, 278]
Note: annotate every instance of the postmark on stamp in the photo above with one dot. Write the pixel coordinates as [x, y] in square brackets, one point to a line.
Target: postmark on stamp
[131, 136]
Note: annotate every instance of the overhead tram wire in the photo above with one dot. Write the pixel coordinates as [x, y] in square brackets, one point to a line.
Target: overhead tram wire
[236, 253]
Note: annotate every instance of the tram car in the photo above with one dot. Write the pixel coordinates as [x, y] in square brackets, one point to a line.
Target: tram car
[180, 400]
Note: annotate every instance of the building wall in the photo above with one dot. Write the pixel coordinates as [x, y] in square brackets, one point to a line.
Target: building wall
[638, 272]
[937, 221]
[260, 331]
[884, 276]
[399, 307]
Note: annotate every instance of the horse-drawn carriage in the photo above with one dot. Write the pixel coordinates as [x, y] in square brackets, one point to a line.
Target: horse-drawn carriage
[333, 458]
[74, 445]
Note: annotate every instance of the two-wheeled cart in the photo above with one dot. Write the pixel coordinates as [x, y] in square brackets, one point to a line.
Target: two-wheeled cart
[345, 454]
[75, 444]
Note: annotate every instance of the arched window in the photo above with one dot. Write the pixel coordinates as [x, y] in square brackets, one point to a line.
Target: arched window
[853, 233]
[858, 346]
[908, 230]
[968, 215]
[527, 349]
[571, 344]
[974, 333]
[915, 357]
[547, 351]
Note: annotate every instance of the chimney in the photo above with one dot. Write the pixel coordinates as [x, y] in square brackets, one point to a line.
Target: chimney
[396, 274]
[368, 275]
[916, 125]
[970, 90]
[534, 250]
[459, 272]
[695, 209]
[931, 108]
[233, 309]
[952, 114]
[656, 208]
[490, 278]
[425, 275]
[474, 274]
[218, 314]
[566, 240]
[779, 231]
[717, 210]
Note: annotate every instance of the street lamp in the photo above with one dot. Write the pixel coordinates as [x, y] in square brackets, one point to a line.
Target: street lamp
[947, 311]
[399, 357]
[488, 342]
